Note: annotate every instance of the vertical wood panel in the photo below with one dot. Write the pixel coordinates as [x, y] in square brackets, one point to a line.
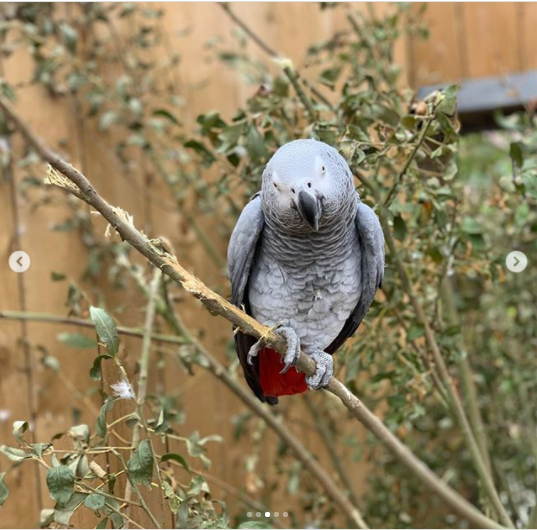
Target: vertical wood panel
[527, 23]
[439, 57]
[493, 46]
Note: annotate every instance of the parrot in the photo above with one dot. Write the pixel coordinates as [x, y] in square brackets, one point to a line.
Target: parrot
[306, 258]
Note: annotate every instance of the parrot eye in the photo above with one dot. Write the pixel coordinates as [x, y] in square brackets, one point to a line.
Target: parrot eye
[309, 184]
[323, 170]
[293, 190]
[275, 185]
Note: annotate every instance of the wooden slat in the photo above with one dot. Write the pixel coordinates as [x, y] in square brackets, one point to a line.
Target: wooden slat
[492, 38]
[527, 24]
[439, 57]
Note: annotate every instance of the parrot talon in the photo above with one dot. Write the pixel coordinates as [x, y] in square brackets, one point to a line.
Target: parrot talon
[323, 372]
[293, 348]
[254, 352]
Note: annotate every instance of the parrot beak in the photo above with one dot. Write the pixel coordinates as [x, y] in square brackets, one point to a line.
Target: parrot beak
[310, 209]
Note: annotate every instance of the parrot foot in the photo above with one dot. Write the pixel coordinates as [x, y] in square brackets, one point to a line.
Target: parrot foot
[293, 348]
[324, 369]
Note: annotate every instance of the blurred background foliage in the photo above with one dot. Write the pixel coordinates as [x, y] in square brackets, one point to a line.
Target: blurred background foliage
[456, 206]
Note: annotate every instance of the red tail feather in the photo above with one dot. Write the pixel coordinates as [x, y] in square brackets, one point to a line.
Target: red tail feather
[275, 384]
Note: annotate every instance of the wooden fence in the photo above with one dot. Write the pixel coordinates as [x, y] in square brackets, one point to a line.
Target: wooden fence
[467, 40]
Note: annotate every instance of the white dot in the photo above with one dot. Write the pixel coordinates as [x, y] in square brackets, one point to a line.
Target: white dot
[276, 514]
[267, 514]
[249, 514]
[284, 514]
[258, 514]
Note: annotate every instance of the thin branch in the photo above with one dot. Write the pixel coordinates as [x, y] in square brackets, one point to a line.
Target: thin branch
[143, 377]
[136, 490]
[327, 435]
[403, 172]
[453, 395]
[289, 70]
[81, 322]
[219, 306]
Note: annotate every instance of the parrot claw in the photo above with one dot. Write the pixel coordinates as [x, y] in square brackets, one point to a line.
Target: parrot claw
[254, 351]
[323, 372]
[293, 348]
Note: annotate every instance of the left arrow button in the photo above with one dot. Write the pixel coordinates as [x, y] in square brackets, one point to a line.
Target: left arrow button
[19, 261]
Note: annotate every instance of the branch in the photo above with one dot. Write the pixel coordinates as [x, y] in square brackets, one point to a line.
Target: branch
[220, 372]
[83, 323]
[219, 306]
[453, 395]
[142, 380]
[288, 69]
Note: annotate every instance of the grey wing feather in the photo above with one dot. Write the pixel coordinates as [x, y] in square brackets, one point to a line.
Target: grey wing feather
[242, 246]
[240, 257]
[371, 241]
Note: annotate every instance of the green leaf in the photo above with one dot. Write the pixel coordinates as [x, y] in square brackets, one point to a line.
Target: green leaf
[60, 482]
[76, 340]
[103, 523]
[14, 453]
[95, 502]
[100, 424]
[255, 524]
[177, 458]
[448, 105]
[4, 492]
[106, 329]
[62, 515]
[140, 465]
[166, 114]
[415, 331]
[182, 515]
[39, 448]
[80, 433]
[19, 428]
[70, 36]
[515, 152]
[107, 118]
[207, 157]
[399, 228]
[95, 370]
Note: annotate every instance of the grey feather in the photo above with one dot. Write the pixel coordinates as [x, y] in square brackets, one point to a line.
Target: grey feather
[241, 255]
[242, 246]
[371, 241]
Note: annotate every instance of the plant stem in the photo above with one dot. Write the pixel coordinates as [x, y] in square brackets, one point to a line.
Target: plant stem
[145, 507]
[468, 383]
[54, 319]
[289, 71]
[248, 325]
[452, 392]
[326, 434]
[403, 172]
[143, 377]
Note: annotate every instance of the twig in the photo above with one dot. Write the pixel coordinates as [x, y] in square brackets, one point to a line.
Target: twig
[296, 446]
[326, 434]
[452, 392]
[398, 180]
[218, 305]
[289, 71]
[54, 319]
[136, 490]
[143, 377]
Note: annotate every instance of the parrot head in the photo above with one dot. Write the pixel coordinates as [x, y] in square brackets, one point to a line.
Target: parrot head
[306, 185]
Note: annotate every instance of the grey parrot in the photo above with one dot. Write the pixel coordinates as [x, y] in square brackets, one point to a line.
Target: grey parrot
[307, 255]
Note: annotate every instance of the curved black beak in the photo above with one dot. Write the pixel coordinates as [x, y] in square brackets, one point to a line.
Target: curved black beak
[310, 209]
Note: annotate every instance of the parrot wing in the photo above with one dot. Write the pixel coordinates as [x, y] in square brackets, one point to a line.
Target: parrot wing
[371, 241]
[240, 257]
